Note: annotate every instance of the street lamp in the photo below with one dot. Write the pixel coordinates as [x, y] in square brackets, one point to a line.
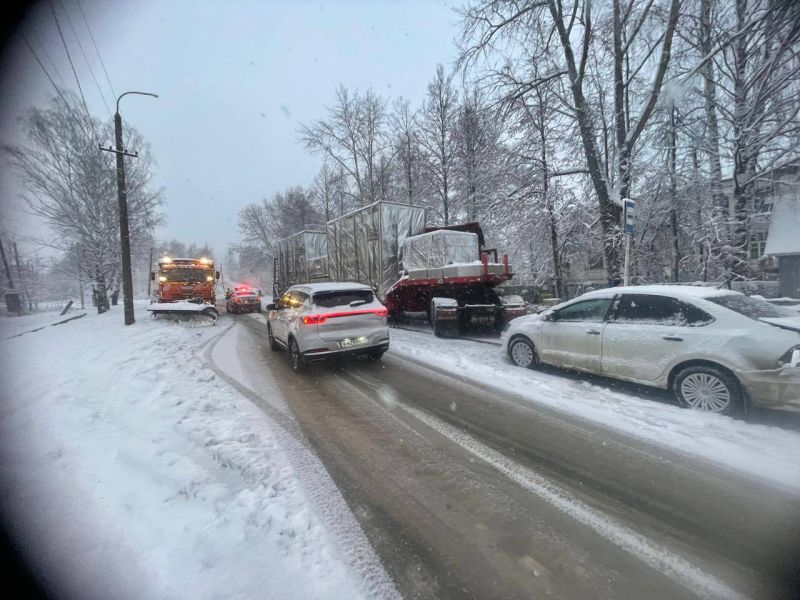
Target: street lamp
[122, 197]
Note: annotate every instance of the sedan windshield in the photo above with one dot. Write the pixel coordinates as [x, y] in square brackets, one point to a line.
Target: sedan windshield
[753, 307]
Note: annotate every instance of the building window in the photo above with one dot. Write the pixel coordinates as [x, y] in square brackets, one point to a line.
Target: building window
[758, 244]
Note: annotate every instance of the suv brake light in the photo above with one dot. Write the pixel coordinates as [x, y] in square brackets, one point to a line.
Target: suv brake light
[314, 319]
[318, 319]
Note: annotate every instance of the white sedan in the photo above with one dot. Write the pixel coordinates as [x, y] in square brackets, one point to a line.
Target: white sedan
[717, 350]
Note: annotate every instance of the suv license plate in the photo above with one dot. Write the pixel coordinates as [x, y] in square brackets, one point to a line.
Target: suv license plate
[350, 342]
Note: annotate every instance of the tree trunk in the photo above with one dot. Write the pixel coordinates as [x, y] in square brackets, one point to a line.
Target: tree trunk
[610, 213]
[673, 192]
[101, 294]
[720, 203]
[744, 158]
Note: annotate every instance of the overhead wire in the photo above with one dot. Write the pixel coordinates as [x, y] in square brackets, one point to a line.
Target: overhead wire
[100, 56]
[43, 46]
[78, 82]
[53, 83]
[86, 59]
[74, 72]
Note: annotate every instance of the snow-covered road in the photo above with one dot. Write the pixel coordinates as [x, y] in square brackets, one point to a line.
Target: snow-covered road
[166, 461]
[762, 451]
[129, 470]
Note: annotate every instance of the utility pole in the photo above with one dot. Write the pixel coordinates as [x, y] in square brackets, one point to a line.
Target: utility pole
[5, 264]
[122, 198]
[149, 270]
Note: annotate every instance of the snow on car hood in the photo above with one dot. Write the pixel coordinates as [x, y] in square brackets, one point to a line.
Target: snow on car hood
[790, 323]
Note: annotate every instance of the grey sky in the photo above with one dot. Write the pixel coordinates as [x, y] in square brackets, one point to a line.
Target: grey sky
[235, 78]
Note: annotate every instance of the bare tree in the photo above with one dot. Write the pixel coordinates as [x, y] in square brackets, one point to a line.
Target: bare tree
[70, 185]
[437, 121]
[550, 30]
[286, 213]
[763, 67]
[405, 136]
[352, 136]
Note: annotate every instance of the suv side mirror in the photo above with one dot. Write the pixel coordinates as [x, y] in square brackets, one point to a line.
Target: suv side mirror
[216, 274]
[152, 276]
[271, 307]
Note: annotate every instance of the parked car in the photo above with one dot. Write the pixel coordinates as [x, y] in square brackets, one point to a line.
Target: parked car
[243, 300]
[716, 350]
[318, 320]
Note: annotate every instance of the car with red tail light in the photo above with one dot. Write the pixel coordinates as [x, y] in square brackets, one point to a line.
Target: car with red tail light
[316, 321]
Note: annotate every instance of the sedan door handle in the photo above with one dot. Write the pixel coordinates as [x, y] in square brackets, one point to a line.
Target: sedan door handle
[592, 332]
[672, 338]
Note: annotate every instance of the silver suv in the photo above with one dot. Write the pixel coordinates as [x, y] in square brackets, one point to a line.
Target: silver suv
[317, 320]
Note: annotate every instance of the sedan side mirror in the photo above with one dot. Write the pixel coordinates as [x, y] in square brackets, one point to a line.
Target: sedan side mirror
[549, 317]
[271, 307]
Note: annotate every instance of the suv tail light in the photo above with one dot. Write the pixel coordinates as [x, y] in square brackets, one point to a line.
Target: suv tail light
[319, 319]
[314, 319]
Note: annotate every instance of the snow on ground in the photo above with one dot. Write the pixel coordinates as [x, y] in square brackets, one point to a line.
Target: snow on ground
[16, 325]
[757, 450]
[129, 471]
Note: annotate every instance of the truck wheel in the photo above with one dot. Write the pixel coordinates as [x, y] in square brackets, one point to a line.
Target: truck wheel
[436, 324]
[273, 345]
[212, 314]
[440, 327]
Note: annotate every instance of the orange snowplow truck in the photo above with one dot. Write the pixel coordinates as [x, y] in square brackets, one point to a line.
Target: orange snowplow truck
[185, 279]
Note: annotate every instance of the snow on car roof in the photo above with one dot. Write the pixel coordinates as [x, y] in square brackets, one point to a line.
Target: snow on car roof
[332, 286]
[686, 291]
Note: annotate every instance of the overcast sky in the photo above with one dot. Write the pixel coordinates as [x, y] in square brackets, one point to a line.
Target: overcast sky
[235, 79]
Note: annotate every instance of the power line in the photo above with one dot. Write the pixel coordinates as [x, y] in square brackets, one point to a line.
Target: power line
[58, 90]
[89, 29]
[43, 46]
[78, 81]
[74, 72]
[85, 58]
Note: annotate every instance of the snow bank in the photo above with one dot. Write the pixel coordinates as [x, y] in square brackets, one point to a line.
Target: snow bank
[758, 451]
[129, 471]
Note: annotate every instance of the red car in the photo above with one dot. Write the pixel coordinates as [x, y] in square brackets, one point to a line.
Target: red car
[243, 300]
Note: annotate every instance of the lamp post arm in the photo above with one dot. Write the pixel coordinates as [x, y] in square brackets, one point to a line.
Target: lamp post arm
[137, 93]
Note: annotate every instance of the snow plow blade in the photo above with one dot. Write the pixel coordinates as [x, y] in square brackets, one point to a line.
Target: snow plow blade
[185, 311]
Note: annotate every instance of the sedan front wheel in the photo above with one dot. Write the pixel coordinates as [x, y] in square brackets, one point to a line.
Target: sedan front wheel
[522, 353]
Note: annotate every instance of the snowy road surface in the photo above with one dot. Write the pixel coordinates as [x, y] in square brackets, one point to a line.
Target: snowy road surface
[471, 490]
[129, 470]
[163, 461]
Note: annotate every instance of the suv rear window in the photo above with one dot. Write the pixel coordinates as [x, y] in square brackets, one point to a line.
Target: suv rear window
[342, 297]
[753, 307]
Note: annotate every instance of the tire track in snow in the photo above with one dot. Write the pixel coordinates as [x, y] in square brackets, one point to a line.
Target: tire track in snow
[317, 483]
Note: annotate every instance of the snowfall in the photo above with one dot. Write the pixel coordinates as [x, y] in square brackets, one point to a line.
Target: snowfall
[130, 469]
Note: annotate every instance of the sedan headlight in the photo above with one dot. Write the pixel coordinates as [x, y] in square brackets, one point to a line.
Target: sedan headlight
[790, 357]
